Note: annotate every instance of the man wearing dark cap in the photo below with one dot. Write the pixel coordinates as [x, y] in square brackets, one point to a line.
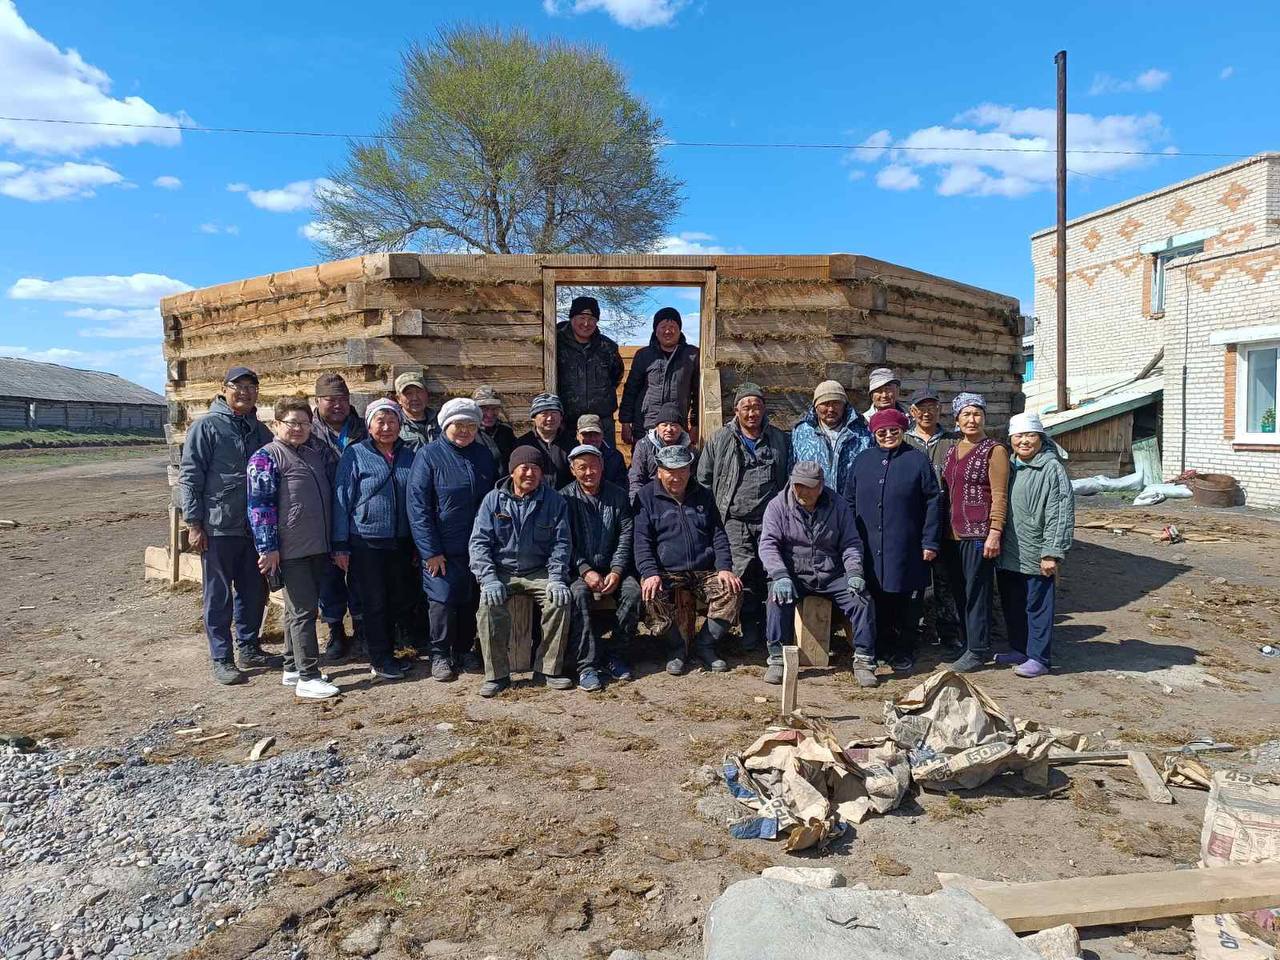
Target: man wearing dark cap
[588, 366]
[495, 432]
[809, 545]
[551, 437]
[418, 425]
[335, 426]
[591, 432]
[744, 465]
[212, 485]
[680, 543]
[520, 544]
[600, 519]
[668, 431]
[666, 371]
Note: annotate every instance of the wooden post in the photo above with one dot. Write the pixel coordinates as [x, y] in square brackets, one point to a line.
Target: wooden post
[813, 631]
[175, 544]
[790, 679]
[549, 329]
[710, 413]
[520, 646]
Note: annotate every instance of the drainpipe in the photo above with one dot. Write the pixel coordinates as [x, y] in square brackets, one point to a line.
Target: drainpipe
[1186, 340]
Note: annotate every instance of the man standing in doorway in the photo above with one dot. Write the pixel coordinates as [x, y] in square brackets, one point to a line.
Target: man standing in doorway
[666, 371]
[588, 366]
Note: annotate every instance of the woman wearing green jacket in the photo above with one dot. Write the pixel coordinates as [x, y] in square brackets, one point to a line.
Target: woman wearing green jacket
[1037, 535]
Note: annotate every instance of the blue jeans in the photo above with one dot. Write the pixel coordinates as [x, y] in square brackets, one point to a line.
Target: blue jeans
[780, 619]
[1027, 600]
[233, 589]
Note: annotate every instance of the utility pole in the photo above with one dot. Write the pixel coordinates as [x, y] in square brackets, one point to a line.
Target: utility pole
[1061, 61]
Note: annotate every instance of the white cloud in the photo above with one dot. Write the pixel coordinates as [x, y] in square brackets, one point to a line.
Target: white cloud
[897, 176]
[230, 229]
[316, 232]
[167, 183]
[64, 181]
[1226, 73]
[872, 148]
[120, 324]
[1148, 81]
[292, 197]
[636, 14]
[134, 291]
[995, 150]
[689, 243]
[37, 79]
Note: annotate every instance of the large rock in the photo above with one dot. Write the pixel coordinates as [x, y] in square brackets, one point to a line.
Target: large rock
[365, 939]
[1056, 943]
[760, 919]
[823, 878]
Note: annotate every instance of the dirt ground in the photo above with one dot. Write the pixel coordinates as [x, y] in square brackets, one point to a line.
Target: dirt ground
[548, 824]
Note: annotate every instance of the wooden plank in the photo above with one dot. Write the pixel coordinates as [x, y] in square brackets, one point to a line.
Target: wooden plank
[175, 545]
[267, 287]
[1152, 782]
[790, 678]
[711, 412]
[520, 647]
[1132, 897]
[813, 631]
[156, 565]
[549, 330]
[392, 266]
[631, 276]
[735, 295]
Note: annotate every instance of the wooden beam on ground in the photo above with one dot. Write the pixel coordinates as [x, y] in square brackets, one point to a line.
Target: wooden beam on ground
[156, 566]
[1132, 897]
[813, 631]
[790, 678]
[1152, 782]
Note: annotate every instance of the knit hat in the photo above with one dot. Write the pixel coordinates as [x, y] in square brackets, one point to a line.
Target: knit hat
[544, 402]
[1025, 423]
[670, 413]
[235, 373]
[458, 409]
[747, 389]
[807, 473]
[590, 423]
[962, 400]
[486, 397]
[888, 417]
[585, 305]
[881, 376]
[675, 456]
[382, 404]
[667, 313]
[829, 390]
[525, 455]
[582, 449]
[410, 380]
[331, 385]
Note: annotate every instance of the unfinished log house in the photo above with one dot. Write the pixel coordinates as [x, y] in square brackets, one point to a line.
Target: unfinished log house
[785, 322]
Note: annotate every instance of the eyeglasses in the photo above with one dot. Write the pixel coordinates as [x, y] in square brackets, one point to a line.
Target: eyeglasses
[297, 423]
[888, 431]
[244, 387]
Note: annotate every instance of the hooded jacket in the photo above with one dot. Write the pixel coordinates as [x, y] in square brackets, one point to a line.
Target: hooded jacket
[644, 459]
[353, 430]
[446, 485]
[519, 535]
[370, 495]
[602, 528]
[814, 549]
[587, 374]
[419, 433]
[657, 378]
[724, 463]
[1042, 513]
[212, 484]
[810, 442]
[673, 536]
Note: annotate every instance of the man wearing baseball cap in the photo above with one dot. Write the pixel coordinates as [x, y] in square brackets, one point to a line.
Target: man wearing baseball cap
[591, 432]
[810, 546]
[419, 427]
[213, 488]
[495, 432]
[550, 436]
[600, 519]
[885, 389]
[588, 366]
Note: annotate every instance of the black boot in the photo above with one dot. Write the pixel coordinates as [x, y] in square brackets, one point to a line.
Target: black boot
[338, 646]
[704, 648]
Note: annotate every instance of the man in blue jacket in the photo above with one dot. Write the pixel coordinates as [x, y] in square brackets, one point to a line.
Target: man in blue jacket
[600, 519]
[681, 544]
[215, 506]
[520, 544]
[831, 434]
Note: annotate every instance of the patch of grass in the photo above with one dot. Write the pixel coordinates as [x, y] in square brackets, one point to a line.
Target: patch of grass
[1086, 795]
[29, 439]
[956, 807]
[888, 867]
[68, 458]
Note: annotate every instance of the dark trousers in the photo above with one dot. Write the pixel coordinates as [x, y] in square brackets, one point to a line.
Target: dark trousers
[586, 642]
[338, 593]
[970, 574]
[897, 624]
[233, 589]
[744, 541]
[452, 629]
[1027, 600]
[302, 577]
[387, 588]
[780, 620]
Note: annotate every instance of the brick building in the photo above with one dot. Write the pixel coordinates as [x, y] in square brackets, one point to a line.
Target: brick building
[1190, 271]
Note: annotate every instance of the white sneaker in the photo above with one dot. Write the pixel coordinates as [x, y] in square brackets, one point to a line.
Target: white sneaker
[290, 678]
[320, 689]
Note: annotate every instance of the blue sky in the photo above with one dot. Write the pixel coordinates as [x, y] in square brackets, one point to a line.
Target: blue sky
[97, 223]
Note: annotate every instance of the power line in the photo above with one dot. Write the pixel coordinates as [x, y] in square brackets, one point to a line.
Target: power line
[663, 142]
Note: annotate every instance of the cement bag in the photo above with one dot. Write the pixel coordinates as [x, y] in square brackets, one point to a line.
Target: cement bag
[1154, 493]
[1088, 486]
[1220, 937]
[958, 738]
[1241, 820]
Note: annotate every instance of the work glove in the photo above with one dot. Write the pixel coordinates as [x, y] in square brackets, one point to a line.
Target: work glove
[558, 594]
[782, 591]
[857, 584]
[493, 593]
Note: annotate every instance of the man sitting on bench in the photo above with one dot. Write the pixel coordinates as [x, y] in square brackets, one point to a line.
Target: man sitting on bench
[520, 544]
[681, 545]
[809, 545]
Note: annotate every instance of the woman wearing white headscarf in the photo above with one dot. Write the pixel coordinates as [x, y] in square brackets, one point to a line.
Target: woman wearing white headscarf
[1037, 535]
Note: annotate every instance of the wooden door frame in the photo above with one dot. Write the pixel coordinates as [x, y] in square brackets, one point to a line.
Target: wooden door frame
[710, 415]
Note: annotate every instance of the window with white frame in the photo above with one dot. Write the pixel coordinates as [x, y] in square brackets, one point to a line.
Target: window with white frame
[1258, 384]
[1158, 273]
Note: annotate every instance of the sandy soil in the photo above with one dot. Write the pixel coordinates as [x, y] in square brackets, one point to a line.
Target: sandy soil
[563, 824]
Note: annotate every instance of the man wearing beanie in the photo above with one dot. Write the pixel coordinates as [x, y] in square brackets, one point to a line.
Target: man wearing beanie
[520, 544]
[831, 434]
[667, 432]
[744, 465]
[335, 426]
[588, 366]
[551, 437]
[419, 427]
[666, 371]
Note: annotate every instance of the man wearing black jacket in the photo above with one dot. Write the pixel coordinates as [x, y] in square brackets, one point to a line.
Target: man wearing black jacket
[551, 437]
[666, 371]
[588, 366]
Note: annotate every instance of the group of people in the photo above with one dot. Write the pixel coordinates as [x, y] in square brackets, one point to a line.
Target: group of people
[427, 525]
